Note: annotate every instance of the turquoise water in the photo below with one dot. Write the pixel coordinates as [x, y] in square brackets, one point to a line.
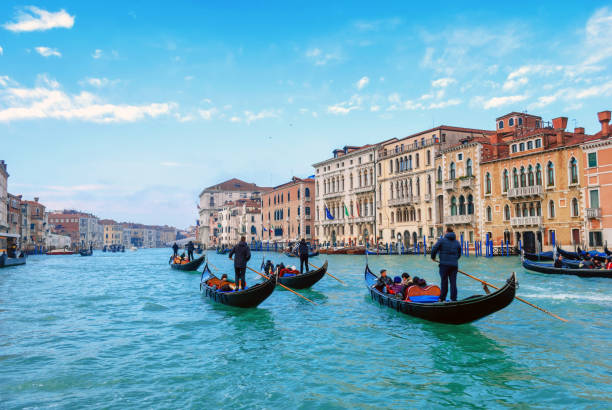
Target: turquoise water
[126, 331]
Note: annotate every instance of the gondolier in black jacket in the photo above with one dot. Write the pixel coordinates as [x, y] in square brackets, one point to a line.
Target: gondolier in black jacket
[175, 249]
[190, 249]
[303, 252]
[450, 252]
[241, 254]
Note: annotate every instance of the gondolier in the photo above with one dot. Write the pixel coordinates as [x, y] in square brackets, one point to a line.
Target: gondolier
[450, 252]
[303, 252]
[190, 249]
[175, 249]
[241, 254]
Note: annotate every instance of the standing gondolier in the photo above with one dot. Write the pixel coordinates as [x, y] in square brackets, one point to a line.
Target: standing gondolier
[450, 252]
[190, 249]
[175, 249]
[242, 255]
[303, 252]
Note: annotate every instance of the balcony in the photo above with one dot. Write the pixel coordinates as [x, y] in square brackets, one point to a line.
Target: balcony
[362, 189]
[427, 197]
[401, 201]
[330, 195]
[468, 182]
[459, 219]
[526, 221]
[307, 217]
[593, 213]
[416, 199]
[449, 184]
[362, 219]
[525, 191]
[307, 198]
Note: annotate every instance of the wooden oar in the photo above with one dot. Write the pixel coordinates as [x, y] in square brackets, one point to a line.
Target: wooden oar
[316, 267]
[278, 283]
[516, 297]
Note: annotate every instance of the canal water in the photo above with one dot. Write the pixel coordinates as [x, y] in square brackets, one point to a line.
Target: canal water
[126, 331]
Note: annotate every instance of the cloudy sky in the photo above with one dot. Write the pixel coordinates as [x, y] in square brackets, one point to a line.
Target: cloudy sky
[129, 110]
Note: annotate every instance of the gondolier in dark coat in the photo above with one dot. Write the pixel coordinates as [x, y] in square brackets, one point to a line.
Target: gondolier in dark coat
[303, 252]
[450, 251]
[190, 249]
[241, 254]
[175, 249]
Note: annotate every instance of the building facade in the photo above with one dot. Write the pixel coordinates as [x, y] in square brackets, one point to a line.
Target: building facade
[212, 199]
[288, 211]
[33, 224]
[4, 204]
[90, 232]
[345, 196]
[239, 218]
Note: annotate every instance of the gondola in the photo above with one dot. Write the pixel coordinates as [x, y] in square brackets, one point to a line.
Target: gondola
[542, 256]
[5, 261]
[191, 266]
[222, 251]
[310, 254]
[247, 298]
[304, 280]
[456, 313]
[86, 252]
[198, 251]
[569, 270]
[569, 255]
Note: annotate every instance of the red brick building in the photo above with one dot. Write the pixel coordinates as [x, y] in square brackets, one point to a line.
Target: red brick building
[66, 223]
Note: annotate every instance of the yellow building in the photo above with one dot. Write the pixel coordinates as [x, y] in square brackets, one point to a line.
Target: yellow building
[113, 234]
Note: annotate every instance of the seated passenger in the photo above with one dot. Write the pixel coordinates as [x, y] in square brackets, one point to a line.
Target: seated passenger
[609, 264]
[226, 286]
[559, 261]
[397, 288]
[586, 263]
[383, 280]
[406, 279]
[269, 267]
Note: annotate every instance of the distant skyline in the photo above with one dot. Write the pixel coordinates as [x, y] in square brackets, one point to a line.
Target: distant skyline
[129, 111]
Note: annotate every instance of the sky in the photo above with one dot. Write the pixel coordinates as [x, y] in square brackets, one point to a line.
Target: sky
[130, 109]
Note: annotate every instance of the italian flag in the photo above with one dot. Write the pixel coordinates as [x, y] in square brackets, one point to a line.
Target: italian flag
[346, 212]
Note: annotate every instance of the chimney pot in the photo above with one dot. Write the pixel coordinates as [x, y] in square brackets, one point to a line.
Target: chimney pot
[560, 123]
[579, 130]
[604, 119]
[36, 199]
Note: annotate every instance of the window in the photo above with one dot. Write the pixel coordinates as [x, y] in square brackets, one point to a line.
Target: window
[506, 213]
[550, 173]
[522, 146]
[575, 210]
[307, 229]
[538, 174]
[592, 159]
[488, 183]
[453, 206]
[307, 192]
[460, 157]
[505, 181]
[573, 171]
[538, 143]
[461, 205]
[513, 148]
[452, 170]
[439, 174]
[523, 177]
[551, 209]
[530, 179]
[470, 206]
[511, 122]
[428, 157]
[500, 124]
[468, 167]
[595, 239]
[594, 198]
[489, 214]
[529, 144]
[417, 161]
[520, 121]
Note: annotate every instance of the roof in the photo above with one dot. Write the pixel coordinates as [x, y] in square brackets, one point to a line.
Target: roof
[235, 184]
[446, 128]
[293, 181]
[524, 114]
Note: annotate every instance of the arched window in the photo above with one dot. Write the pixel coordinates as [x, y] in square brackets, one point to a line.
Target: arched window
[416, 158]
[392, 217]
[551, 209]
[489, 214]
[307, 192]
[510, 122]
[507, 213]
[575, 210]
[538, 174]
[550, 173]
[439, 174]
[299, 191]
[515, 179]
[573, 171]
[452, 170]
[488, 183]
[500, 125]
[523, 177]
[470, 205]
[429, 184]
[506, 182]
[397, 166]
[428, 157]
[461, 205]
[530, 179]
[410, 162]
[468, 167]
[538, 209]
[453, 206]
[525, 212]
[418, 187]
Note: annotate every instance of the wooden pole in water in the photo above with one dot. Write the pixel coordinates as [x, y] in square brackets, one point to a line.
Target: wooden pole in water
[316, 267]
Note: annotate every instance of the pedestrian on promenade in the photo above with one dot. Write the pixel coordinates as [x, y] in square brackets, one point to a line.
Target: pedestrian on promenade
[175, 249]
[303, 252]
[190, 249]
[450, 252]
[241, 254]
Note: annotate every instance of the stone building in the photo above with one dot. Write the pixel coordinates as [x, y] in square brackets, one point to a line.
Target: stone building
[4, 224]
[239, 218]
[33, 225]
[288, 211]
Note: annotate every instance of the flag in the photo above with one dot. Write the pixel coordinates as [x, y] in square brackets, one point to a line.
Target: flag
[358, 212]
[346, 212]
[328, 214]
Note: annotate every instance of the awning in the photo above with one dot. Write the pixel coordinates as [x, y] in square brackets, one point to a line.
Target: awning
[9, 235]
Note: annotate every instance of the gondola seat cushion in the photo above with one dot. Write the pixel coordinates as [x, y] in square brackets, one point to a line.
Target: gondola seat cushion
[425, 299]
[415, 290]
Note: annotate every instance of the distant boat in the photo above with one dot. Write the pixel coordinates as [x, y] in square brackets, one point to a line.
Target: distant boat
[133, 249]
[5, 261]
[61, 252]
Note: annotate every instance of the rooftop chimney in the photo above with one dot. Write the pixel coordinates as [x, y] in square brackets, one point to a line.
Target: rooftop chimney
[579, 131]
[36, 199]
[604, 119]
[559, 124]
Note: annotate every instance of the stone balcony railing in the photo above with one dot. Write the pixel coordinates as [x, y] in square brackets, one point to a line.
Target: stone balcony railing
[468, 182]
[401, 201]
[363, 219]
[525, 191]
[332, 195]
[427, 197]
[526, 221]
[459, 219]
[307, 199]
[449, 184]
[593, 213]
[362, 189]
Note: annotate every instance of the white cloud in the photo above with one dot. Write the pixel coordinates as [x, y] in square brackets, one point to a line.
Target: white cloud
[235, 119]
[1, 51]
[189, 77]
[99, 82]
[363, 81]
[511, 85]
[319, 57]
[444, 104]
[443, 82]
[375, 108]
[48, 101]
[343, 108]
[500, 101]
[97, 53]
[48, 52]
[208, 114]
[251, 116]
[34, 19]
[598, 40]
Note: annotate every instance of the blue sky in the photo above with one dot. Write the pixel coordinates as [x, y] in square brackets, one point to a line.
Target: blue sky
[129, 110]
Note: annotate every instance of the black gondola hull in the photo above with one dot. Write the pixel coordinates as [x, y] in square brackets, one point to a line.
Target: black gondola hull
[454, 313]
[544, 256]
[85, 253]
[191, 266]
[550, 269]
[248, 298]
[304, 280]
